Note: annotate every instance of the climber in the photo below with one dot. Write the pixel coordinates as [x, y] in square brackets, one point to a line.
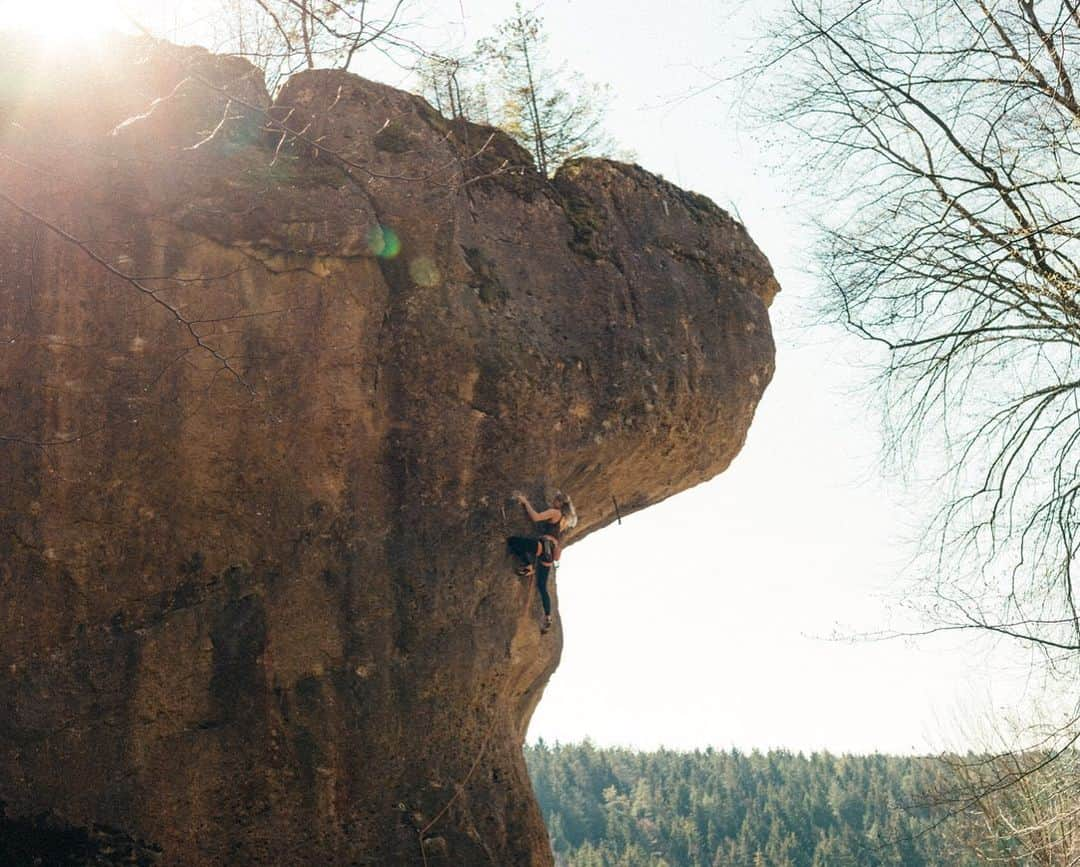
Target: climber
[538, 555]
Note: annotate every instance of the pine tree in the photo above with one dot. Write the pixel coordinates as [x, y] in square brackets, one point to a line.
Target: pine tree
[555, 114]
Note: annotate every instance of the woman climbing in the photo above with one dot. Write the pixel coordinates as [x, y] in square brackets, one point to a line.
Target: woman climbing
[537, 555]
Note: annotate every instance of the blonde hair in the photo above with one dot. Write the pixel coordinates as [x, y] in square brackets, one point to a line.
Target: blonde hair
[569, 513]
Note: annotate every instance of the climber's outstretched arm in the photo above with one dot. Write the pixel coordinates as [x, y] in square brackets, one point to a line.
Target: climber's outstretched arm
[534, 516]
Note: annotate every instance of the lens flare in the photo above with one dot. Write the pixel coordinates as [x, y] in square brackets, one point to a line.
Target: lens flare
[62, 21]
[383, 242]
[424, 272]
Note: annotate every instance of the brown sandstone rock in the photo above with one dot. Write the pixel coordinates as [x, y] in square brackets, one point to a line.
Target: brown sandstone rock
[255, 606]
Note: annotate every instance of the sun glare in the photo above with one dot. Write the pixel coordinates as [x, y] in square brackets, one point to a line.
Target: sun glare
[62, 21]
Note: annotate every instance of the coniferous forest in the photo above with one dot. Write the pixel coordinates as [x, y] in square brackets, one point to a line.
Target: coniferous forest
[621, 808]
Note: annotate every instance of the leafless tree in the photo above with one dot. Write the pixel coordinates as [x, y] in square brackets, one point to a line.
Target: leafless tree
[1013, 807]
[944, 137]
[285, 36]
[455, 83]
[1034, 820]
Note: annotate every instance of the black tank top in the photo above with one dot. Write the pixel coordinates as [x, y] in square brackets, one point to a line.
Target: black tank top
[550, 528]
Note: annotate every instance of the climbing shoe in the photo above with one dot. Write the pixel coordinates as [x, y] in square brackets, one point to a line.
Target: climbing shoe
[546, 624]
[524, 570]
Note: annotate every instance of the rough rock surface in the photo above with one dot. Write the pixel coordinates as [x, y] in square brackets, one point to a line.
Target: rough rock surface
[268, 374]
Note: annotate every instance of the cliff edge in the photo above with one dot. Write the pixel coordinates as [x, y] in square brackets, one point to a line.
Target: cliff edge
[269, 370]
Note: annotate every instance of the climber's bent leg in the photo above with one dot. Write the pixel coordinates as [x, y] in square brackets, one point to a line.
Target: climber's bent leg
[523, 548]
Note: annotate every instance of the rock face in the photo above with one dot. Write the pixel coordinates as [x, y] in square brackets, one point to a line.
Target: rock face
[269, 372]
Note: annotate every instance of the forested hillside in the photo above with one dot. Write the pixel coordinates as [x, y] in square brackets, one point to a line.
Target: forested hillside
[608, 807]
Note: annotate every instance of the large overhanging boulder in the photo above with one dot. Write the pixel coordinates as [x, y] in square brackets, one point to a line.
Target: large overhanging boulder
[269, 372]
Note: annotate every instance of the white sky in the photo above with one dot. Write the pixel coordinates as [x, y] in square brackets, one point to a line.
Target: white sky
[715, 631]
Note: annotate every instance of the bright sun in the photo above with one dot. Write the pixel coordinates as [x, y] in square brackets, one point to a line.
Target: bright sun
[62, 21]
